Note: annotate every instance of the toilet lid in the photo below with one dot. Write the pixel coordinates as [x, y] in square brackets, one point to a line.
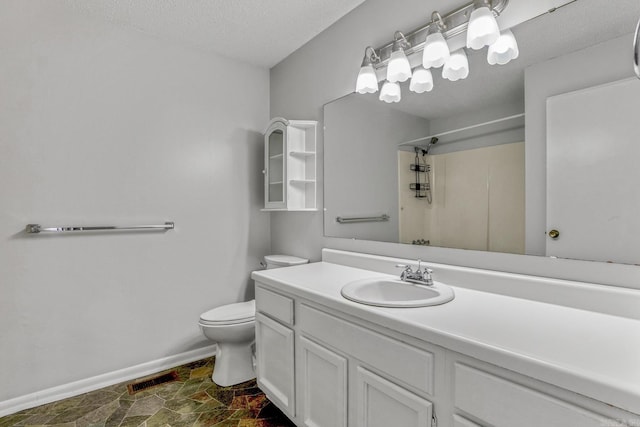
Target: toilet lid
[231, 313]
[285, 260]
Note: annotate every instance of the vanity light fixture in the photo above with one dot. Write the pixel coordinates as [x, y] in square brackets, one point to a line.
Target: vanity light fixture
[367, 80]
[399, 69]
[436, 50]
[483, 28]
[421, 81]
[457, 66]
[390, 92]
[504, 49]
[477, 19]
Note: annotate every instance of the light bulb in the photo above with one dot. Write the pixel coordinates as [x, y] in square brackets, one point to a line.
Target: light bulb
[367, 80]
[398, 69]
[456, 67]
[436, 50]
[390, 92]
[421, 81]
[483, 28]
[504, 49]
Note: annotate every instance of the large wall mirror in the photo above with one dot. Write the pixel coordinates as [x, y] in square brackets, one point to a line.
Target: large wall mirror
[536, 157]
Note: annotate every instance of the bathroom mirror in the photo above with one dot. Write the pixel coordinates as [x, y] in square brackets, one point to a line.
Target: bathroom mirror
[484, 182]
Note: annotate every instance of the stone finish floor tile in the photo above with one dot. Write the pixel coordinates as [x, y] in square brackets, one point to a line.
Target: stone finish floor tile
[193, 400]
[147, 406]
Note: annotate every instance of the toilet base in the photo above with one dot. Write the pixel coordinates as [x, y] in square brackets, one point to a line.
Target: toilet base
[234, 364]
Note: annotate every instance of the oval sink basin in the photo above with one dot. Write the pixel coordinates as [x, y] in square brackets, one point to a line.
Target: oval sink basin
[384, 292]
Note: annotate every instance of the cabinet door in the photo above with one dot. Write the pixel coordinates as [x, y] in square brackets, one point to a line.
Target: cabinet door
[275, 190]
[324, 386]
[274, 363]
[381, 403]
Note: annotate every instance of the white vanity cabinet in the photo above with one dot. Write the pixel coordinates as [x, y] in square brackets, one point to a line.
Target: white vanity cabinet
[290, 165]
[345, 374]
[327, 368]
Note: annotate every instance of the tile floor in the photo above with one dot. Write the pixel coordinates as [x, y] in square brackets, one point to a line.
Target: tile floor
[193, 400]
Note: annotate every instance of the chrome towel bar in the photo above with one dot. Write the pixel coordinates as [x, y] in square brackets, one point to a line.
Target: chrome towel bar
[636, 51]
[348, 220]
[37, 228]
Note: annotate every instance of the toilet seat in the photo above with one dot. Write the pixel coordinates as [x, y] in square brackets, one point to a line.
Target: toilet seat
[231, 314]
[284, 260]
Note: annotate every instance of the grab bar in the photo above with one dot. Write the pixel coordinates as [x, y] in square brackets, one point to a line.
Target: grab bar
[349, 220]
[636, 51]
[37, 228]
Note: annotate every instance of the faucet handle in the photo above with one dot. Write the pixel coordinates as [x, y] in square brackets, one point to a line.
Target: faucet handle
[407, 270]
[428, 279]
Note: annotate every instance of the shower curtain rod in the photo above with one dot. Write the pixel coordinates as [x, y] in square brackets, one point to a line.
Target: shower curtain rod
[466, 128]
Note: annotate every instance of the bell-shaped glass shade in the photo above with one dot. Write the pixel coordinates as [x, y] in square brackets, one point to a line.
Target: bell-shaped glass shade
[390, 92]
[398, 69]
[436, 51]
[456, 67]
[421, 81]
[483, 28]
[367, 80]
[504, 49]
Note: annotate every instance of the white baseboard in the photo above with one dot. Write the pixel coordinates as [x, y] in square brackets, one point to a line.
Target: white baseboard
[94, 383]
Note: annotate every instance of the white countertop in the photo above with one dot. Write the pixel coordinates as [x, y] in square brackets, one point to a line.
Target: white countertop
[593, 354]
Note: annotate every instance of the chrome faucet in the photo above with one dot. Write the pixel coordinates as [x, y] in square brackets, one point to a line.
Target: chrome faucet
[419, 277]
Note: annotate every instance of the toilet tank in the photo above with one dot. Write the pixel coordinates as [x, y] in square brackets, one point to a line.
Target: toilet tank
[277, 261]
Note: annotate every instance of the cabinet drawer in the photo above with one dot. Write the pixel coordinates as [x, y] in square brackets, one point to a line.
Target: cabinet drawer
[503, 403]
[274, 305]
[408, 364]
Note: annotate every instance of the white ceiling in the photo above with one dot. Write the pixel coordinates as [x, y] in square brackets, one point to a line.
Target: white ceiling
[260, 32]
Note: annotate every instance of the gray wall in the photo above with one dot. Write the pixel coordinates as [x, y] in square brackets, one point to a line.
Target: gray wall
[323, 70]
[363, 153]
[104, 125]
[326, 68]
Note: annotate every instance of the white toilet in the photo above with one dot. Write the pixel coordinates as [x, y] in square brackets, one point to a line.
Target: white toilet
[232, 327]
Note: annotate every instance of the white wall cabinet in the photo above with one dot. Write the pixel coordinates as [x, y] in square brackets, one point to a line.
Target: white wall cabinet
[325, 368]
[290, 165]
